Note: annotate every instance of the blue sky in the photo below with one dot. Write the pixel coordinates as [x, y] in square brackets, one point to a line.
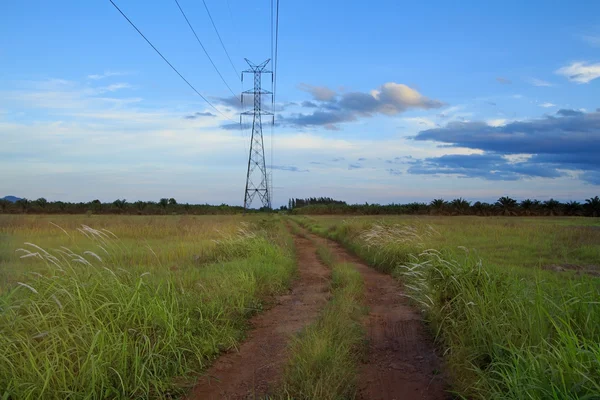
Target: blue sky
[380, 102]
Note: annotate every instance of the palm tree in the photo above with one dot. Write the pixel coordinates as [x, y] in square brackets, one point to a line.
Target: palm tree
[506, 205]
[552, 207]
[460, 206]
[438, 206]
[592, 206]
[572, 208]
[120, 204]
[527, 207]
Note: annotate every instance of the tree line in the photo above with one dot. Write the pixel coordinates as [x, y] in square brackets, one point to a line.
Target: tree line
[119, 206]
[506, 206]
[297, 203]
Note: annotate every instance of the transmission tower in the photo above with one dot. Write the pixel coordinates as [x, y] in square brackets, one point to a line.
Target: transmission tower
[257, 169]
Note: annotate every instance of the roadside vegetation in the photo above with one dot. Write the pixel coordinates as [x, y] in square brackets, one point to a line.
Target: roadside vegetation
[507, 327]
[133, 317]
[325, 356]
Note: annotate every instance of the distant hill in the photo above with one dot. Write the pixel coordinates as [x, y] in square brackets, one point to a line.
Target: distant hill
[12, 199]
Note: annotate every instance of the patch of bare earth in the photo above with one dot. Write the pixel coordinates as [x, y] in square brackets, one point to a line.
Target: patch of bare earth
[401, 363]
[255, 369]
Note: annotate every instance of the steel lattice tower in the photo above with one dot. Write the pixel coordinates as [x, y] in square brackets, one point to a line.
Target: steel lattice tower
[257, 169]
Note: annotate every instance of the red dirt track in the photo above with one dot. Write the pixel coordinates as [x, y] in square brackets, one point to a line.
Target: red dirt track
[401, 363]
[255, 370]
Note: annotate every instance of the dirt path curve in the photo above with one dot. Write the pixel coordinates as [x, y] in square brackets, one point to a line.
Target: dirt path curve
[401, 363]
[254, 370]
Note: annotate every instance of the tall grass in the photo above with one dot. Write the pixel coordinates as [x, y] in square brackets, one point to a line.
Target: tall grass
[86, 326]
[325, 356]
[508, 333]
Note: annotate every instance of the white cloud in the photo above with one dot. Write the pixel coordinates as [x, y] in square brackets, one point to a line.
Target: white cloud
[580, 72]
[496, 122]
[106, 74]
[547, 105]
[539, 82]
[117, 86]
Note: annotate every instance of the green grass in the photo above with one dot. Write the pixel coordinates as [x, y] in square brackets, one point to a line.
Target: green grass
[131, 321]
[504, 242]
[509, 330]
[325, 356]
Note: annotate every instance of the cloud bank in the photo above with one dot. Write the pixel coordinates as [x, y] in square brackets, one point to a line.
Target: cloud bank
[569, 140]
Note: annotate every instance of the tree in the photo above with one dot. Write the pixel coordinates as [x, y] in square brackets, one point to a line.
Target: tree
[506, 205]
[552, 207]
[163, 202]
[120, 204]
[438, 206]
[140, 205]
[61, 206]
[592, 207]
[526, 207]
[41, 202]
[23, 204]
[172, 202]
[572, 208]
[460, 206]
[96, 206]
[4, 204]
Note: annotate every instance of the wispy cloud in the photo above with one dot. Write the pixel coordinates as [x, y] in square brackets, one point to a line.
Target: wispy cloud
[289, 168]
[106, 74]
[503, 81]
[199, 115]
[547, 105]
[580, 72]
[394, 171]
[115, 86]
[539, 82]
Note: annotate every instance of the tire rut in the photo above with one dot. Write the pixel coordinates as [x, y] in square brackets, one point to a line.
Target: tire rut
[255, 369]
[401, 363]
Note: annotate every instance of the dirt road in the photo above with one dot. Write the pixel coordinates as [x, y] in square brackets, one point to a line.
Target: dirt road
[401, 363]
[255, 370]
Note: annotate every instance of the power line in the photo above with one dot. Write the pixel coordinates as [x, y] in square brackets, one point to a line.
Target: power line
[203, 48]
[272, 104]
[221, 40]
[167, 61]
[276, 49]
[274, 76]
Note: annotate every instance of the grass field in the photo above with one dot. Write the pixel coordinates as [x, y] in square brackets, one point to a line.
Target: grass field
[508, 328]
[134, 307]
[138, 306]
